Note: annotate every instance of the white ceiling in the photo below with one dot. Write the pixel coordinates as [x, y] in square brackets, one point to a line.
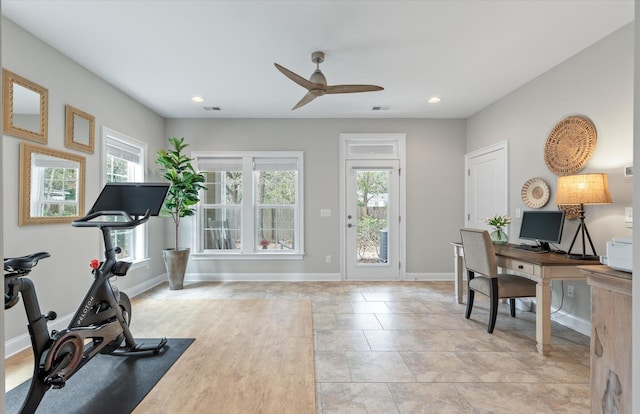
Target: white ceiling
[470, 53]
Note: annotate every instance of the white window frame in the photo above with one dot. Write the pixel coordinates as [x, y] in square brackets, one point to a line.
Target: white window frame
[141, 232]
[39, 165]
[248, 251]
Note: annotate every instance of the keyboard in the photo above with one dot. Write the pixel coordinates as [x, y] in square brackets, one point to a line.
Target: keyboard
[531, 249]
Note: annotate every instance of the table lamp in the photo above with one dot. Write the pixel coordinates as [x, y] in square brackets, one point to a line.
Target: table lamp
[582, 189]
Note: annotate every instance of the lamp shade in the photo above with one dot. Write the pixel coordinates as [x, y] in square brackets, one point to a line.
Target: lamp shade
[583, 189]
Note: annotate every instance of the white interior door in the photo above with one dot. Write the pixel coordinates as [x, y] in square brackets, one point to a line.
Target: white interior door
[372, 212]
[486, 184]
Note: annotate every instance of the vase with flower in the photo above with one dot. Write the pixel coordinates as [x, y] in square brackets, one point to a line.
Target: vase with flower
[264, 243]
[498, 236]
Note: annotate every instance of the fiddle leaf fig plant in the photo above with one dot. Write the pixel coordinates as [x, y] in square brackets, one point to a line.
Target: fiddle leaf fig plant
[185, 181]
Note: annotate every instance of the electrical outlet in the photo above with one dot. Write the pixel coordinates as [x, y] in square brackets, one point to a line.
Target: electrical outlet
[570, 291]
[327, 259]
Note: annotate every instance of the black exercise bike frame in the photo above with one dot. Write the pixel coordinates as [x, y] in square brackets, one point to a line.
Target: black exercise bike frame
[98, 318]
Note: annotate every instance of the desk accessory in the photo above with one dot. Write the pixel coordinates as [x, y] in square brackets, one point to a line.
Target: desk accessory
[583, 189]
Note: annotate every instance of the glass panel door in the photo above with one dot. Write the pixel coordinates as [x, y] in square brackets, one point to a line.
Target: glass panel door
[372, 219]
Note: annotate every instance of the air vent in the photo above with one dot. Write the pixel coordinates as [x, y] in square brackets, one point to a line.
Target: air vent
[381, 108]
[212, 108]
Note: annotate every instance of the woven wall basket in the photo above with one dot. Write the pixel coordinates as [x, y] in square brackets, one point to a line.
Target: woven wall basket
[571, 211]
[570, 145]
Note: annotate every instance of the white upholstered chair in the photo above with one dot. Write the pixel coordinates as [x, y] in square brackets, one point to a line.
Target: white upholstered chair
[483, 276]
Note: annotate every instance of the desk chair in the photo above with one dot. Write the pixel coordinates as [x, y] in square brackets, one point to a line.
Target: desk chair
[483, 277]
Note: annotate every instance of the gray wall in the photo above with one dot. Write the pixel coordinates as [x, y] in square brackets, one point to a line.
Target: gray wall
[435, 179]
[597, 83]
[63, 279]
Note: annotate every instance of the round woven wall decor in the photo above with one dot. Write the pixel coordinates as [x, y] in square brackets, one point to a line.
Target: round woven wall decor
[535, 193]
[571, 211]
[570, 145]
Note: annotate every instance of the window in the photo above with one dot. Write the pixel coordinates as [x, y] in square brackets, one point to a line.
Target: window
[54, 184]
[252, 204]
[124, 161]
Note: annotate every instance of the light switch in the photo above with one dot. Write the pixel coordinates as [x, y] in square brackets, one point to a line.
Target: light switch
[325, 212]
[628, 214]
[517, 213]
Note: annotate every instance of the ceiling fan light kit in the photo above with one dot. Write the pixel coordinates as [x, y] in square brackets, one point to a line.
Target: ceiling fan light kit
[317, 83]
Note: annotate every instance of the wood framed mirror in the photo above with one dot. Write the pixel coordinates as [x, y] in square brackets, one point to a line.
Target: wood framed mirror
[51, 185]
[25, 108]
[79, 130]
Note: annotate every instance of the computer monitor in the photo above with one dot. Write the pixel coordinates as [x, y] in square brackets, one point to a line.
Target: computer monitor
[134, 198]
[544, 227]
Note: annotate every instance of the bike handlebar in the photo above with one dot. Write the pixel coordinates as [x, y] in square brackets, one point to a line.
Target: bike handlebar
[87, 221]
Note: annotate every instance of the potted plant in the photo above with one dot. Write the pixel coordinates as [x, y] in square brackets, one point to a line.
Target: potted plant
[180, 202]
[264, 243]
[498, 236]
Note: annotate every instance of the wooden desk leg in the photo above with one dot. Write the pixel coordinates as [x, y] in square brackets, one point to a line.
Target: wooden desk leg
[458, 267]
[543, 317]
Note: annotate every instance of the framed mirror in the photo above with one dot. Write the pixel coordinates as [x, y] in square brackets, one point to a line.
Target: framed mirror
[51, 185]
[79, 130]
[25, 105]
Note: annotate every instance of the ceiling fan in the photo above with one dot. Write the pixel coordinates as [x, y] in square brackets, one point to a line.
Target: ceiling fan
[317, 84]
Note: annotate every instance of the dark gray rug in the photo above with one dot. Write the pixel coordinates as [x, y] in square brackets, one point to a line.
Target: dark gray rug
[107, 384]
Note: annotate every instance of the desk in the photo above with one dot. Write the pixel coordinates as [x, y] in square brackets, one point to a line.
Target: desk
[542, 268]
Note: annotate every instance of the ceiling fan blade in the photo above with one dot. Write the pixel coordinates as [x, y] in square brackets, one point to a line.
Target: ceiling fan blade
[305, 100]
[296, 78]
[352, 88]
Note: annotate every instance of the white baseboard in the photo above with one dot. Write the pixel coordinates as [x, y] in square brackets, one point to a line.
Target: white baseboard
[262, 277]
[571, 321]
[146, 285]
[300, 277]
[430, 277]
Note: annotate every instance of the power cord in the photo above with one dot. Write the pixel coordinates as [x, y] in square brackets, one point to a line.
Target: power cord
[561, 298]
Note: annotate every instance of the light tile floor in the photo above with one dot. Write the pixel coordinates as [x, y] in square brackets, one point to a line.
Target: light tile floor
[405, 347]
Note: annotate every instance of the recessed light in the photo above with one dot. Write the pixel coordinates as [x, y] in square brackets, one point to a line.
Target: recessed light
[434, 99]
[197, 99]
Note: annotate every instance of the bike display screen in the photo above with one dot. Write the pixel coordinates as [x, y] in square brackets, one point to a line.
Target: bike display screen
[134, 198]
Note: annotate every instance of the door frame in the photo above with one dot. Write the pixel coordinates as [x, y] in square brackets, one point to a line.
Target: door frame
[393, 147]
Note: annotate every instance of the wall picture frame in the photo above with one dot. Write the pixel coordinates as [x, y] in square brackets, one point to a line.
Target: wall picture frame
[80, 130]
[25, 106]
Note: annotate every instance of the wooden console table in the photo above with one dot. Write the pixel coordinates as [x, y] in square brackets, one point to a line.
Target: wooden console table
[542, 268]
[610, 339]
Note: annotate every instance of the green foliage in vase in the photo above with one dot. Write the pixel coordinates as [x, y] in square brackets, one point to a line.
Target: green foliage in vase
[186, 183]
[498, 221]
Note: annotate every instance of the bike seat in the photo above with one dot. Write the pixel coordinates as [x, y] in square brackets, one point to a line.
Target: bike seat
[23, 263]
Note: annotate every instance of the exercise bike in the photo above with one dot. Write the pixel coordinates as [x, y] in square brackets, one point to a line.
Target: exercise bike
[101, 322]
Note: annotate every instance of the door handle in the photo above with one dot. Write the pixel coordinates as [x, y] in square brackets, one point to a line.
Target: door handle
[349, 225]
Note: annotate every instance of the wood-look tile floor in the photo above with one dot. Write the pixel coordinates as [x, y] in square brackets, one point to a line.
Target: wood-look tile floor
[405, 347]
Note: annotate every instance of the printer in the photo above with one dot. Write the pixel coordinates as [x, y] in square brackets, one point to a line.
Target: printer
[619, 254]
